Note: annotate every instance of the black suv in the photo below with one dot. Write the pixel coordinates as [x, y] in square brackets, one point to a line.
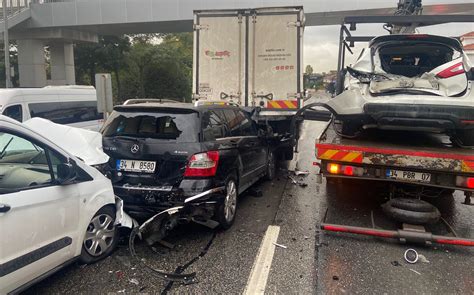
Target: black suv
[196, 158]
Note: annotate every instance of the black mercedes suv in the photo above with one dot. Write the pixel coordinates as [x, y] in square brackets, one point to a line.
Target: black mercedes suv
[196, 158]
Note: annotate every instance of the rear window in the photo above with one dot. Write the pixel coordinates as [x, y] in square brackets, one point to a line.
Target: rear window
[180, 127]
[66, 112]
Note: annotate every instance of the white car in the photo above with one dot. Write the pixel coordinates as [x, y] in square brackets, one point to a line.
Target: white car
[411, 83]
[54, 208]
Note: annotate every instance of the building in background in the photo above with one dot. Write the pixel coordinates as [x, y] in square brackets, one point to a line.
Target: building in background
[468, 43]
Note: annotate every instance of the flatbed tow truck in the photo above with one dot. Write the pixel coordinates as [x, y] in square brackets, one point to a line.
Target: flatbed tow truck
[410, 164]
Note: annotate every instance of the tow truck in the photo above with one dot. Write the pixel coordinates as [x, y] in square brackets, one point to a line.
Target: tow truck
[424, 163]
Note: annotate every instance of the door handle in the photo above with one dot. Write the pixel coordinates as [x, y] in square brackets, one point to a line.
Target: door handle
[4, 208]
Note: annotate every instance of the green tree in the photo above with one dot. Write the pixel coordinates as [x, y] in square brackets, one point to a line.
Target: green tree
[308, 70]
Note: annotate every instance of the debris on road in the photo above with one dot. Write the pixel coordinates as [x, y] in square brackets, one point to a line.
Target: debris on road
[411, 256]
[280, 245]
[423, 258]
[336, 278]
[395, 263]
[415, 272]
[134, 281]
[302, 173]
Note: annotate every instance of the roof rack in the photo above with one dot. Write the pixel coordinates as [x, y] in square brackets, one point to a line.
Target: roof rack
[145, 100]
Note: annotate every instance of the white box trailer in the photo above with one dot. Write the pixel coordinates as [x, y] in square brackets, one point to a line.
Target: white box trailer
[252, 57]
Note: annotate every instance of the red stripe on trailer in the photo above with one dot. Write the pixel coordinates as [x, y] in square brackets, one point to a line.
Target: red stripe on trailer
[339, 156]
[282, 104]
[394, 151]
[369, 232]
[457, 242]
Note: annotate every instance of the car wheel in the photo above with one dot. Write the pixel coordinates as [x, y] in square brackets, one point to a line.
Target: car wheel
[271, 166]
[228, 206]
[101, 236]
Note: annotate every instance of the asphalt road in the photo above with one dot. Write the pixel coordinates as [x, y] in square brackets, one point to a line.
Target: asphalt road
[308, 260]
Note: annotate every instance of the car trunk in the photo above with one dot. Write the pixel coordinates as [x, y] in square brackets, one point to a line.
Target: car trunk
[151, 148]
[420, 66]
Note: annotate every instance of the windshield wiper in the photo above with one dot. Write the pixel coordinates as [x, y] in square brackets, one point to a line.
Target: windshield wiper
[5, 148]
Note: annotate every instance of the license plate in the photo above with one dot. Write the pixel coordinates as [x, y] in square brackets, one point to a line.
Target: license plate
[136, 166]
[409, 176]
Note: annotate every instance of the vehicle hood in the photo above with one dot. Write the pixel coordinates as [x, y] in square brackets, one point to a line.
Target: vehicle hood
[81, 143]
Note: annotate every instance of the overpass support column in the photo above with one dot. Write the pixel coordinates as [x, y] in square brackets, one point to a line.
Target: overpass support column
[62, 64]
[31, 63]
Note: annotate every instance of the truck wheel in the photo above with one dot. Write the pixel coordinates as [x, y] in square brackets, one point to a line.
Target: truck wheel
[411, 217]
[227, 208]
[101, 236]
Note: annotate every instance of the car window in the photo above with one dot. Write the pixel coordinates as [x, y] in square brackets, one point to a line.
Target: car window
[214, 125]
[182, 127]
[66, 112]
[15, 112]
[241, 125]
[24, 164]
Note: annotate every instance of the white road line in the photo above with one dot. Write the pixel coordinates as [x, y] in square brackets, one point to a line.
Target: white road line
[261, 266]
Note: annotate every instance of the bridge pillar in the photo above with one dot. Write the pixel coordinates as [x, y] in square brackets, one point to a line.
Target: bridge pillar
[31, 63]
[62, 64]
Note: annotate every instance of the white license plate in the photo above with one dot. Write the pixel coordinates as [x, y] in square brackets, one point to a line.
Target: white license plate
[409, 175]
[136, 166]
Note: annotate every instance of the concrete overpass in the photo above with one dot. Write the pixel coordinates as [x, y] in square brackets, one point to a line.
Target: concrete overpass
[60, 23]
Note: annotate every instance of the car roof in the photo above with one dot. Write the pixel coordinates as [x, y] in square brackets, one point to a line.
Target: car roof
[417, 38]
[145, 106]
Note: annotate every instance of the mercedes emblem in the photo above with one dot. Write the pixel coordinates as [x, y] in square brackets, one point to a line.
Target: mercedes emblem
[135, 148]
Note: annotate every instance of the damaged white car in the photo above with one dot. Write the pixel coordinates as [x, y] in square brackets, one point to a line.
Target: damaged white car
[410, 83]
[54, 207]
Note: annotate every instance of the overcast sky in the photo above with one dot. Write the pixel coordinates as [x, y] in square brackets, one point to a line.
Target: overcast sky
[321, 43]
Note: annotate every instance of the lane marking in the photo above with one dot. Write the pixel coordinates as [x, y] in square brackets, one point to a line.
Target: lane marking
[261, 267]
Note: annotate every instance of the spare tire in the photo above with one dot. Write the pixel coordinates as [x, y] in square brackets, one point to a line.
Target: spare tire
[412, 205]
[410, 216]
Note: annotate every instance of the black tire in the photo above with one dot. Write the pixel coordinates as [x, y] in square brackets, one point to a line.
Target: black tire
[466, 137]
[411, 217]
[109, 234]
[224, 217]
[271, 166]
[411, 205]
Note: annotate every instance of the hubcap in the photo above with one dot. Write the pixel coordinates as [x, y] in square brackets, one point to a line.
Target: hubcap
[230, 203]
[99, 235]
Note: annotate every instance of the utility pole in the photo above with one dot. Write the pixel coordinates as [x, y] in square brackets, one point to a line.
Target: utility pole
[6, 43]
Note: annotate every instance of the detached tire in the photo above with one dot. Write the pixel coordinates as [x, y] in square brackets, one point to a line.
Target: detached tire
[227, 208]
[101, 236]
[415, 212]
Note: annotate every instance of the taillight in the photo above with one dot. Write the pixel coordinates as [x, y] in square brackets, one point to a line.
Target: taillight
[465, 182]
[334, 168]
[452, 71]
[202, 164]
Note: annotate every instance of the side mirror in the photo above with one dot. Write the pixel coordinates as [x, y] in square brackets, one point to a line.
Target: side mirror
[66, 173]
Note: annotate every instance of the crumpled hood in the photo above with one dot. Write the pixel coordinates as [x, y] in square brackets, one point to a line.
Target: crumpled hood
[81, 143]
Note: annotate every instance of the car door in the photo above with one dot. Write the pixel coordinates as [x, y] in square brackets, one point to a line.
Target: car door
[38, 217]
[250, 131]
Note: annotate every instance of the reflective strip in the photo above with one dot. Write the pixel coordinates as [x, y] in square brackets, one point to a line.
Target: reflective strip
[342, 156]
[282, 104]
[467, 166]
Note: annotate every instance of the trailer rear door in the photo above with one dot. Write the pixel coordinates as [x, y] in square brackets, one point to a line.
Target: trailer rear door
[219, 53]
[275, 45]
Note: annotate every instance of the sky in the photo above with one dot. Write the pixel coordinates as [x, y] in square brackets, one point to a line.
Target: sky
[321, 43]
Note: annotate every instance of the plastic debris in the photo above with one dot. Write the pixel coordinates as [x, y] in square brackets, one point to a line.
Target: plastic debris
[134, 281]
[121, 291]
[415, 272]
[423, 258]
[395, 263]
[280, 245]
[303, 173]
[411, 256]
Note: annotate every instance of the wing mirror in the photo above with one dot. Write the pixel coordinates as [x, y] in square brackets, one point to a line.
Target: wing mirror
[66, 173]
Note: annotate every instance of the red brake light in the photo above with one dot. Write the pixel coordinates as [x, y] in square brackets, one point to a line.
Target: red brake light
[202, 165]
[470, 182]
[349, 170]
[452, 71]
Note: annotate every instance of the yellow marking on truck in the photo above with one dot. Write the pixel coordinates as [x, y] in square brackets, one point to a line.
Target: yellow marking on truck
[351, 157]
[327, 155]
[467, 166]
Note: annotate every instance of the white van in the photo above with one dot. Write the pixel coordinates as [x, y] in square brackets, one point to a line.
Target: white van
[70, 105]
